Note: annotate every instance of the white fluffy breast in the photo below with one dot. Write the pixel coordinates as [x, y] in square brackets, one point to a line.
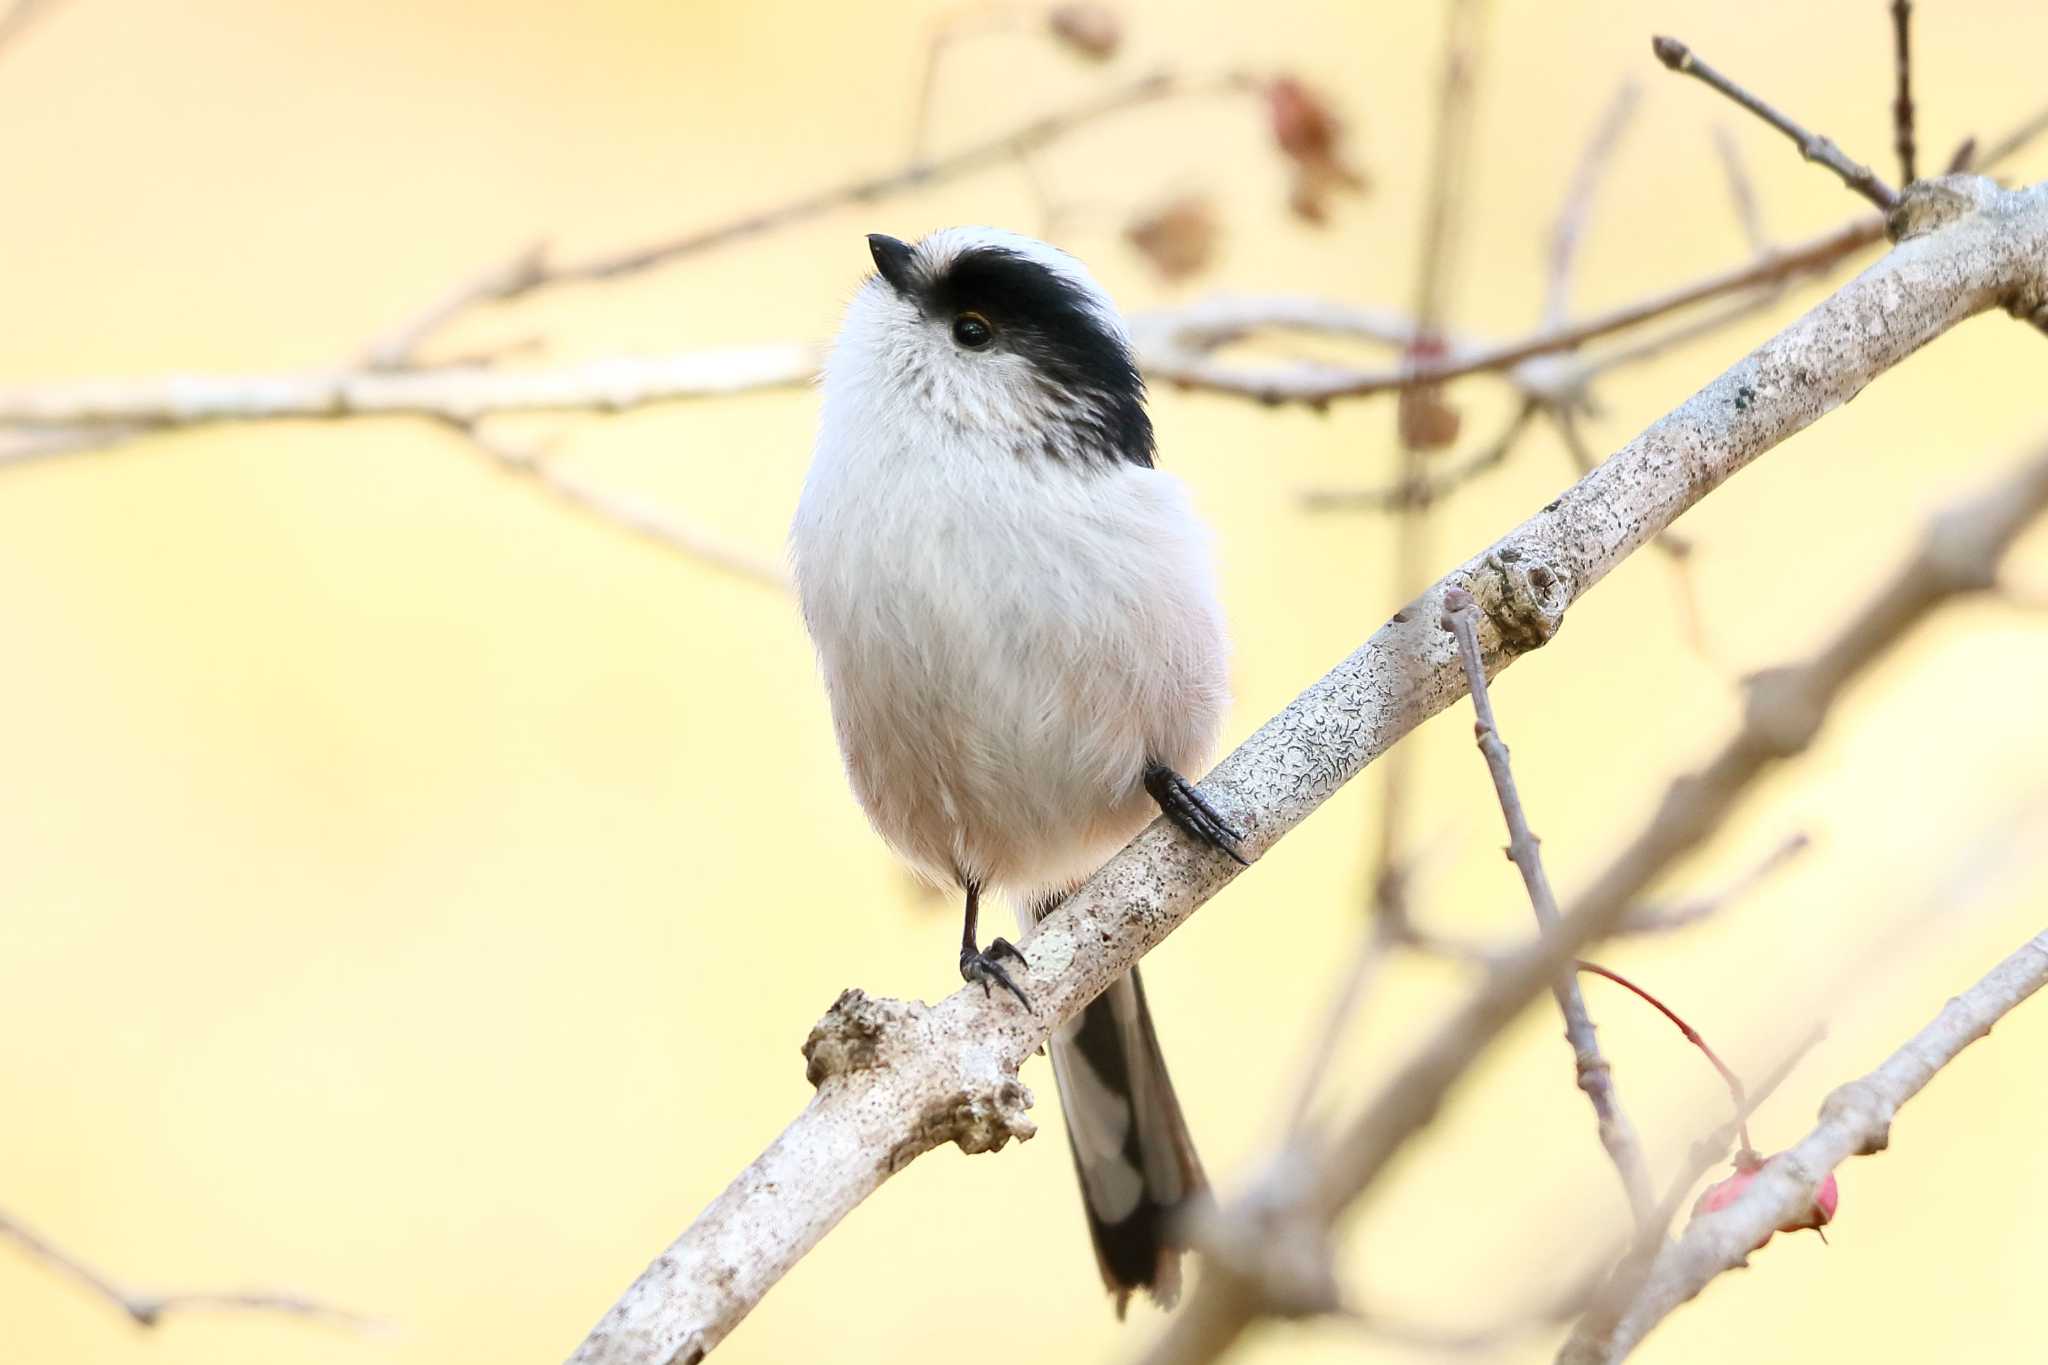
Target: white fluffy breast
[1007, 641]
[1009, 633]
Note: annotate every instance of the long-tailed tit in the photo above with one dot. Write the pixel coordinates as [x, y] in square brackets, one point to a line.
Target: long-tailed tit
[1017, 621]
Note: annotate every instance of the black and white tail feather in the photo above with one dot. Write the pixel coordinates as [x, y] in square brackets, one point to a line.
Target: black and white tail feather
[1136, 1163]
[1017, 621]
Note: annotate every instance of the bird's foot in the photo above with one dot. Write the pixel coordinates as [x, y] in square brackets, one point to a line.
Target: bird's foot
[1182, 802]
[987, 968]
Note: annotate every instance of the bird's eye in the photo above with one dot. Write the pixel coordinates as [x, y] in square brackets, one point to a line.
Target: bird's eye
[972, 331]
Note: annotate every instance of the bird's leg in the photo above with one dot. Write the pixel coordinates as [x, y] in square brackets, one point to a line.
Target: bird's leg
[1182, 802]
[987, 967]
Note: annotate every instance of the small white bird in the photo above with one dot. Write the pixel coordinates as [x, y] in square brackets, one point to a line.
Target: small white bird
[1017, 621]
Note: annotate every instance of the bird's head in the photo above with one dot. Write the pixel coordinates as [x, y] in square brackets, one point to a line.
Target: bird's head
[995, 333]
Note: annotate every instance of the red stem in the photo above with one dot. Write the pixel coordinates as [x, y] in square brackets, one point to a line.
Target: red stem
[1692, 1036]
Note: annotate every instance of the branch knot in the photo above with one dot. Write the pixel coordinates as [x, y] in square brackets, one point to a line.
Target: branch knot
[1930, 205]
[857, 1034]
[1527, 599]
[974, 1120]
[1860, 1107]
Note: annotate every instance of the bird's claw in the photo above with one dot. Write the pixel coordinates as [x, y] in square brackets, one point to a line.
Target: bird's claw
[986, 967]
[1182, 802]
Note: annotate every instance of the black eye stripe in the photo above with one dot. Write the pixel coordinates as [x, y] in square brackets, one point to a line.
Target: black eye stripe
[1051, 322]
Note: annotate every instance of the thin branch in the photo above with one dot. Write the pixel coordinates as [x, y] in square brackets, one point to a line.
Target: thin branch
[1902, 102]
[1595, 1075]
[2011, 145]
[895, 1080]
[1641, 921]
[20, 16]
[147, 1310]
[528, 273]
[1317, 384]
[1167, 354]
[1855, 1121]
[1428, 488]
[1741, 190]
[1293, 1208]
[1450, 157]
[460, 394]
[41, 443]
[1812, 146]
[1662, 919]
[630, 514]
[526, 269]
[1374, 943]
[1570, 229]
[1422, 423]
[1691, 1035]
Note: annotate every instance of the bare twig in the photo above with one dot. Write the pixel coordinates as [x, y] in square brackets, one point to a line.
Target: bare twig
[461, 394]
[1428, 487]
[628, 513]
[1691, 1034]
[1643, 920]
[1423, 423]
[1375, 941]
[147, 1310]
[526, 269]
[1661, 919]
[527, 272]
[1596, 1076]
[1450, 156]
[466, 393]
[16, 19]
[1741, 190]
[1315, 384]
[42, 443]
[1812, 146]
[2011, 145]
[1570, 229]
[946, 30]
[1902, 102]
[1855, 1121]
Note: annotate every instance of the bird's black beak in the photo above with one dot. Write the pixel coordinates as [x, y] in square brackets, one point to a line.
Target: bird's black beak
[892, 259]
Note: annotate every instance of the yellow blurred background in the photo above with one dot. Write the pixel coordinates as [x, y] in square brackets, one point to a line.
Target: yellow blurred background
[414, 893]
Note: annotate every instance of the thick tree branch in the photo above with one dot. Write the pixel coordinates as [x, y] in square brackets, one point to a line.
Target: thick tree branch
[1855, 1121]
[896, 1079]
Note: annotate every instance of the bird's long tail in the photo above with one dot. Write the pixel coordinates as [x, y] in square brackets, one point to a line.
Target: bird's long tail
[1132, 1151]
